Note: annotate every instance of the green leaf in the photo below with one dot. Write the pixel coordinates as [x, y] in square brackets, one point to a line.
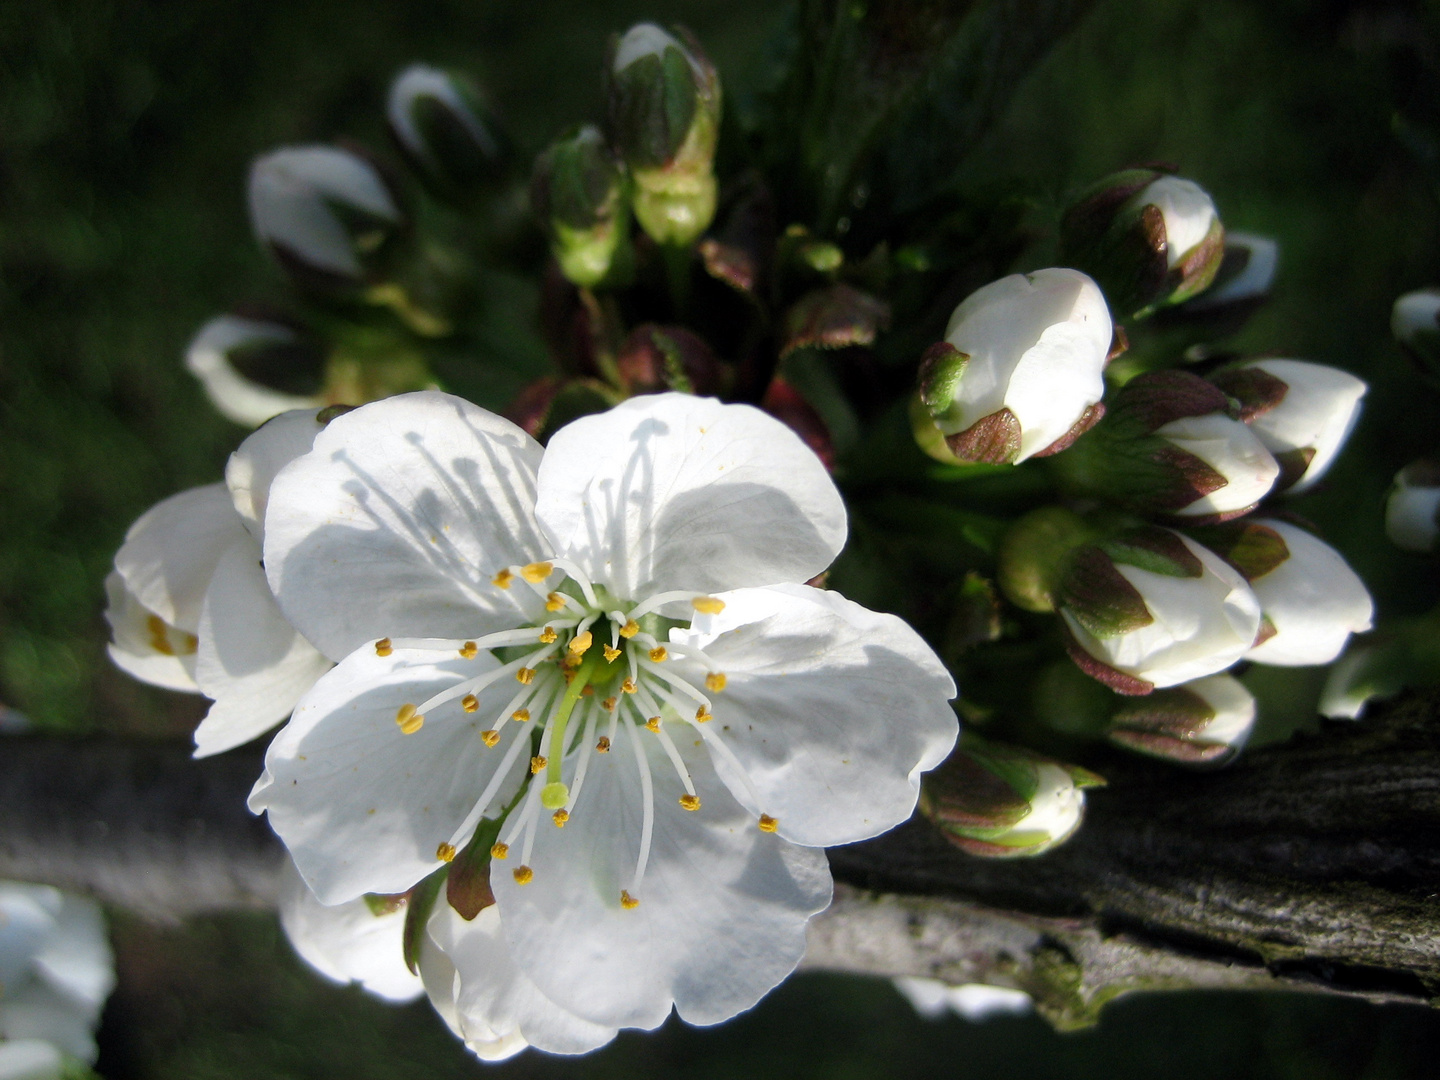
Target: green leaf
[417, 916]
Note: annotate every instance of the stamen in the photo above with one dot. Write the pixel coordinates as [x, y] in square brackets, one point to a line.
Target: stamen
[647, 797]
[383, 647]
[470, 703]
[589, 691]
[581, 643]
[548, 635]
[608, 704]
[584, 765]
[690, 802]
[675, 760]
[658, 654]
[560, 817]
[520, 716]
[503, 579]
[475, 685]
[767, 823]
[468, 650]
[703, 715]
[668, 676]
[629, 686]
[445, 852]
[525, 675]
[536, 572]
[653, 724]
[603, 746]
[659, 600]
[708, 605]
[574, 573]
[499, 850]
[630, 629]
[490, 738]
[628, 902]
[537, 765]
[409, 719]
[715, 682]
[611, 654]
[523, 875]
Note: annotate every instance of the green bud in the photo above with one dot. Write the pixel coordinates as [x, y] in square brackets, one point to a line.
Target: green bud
[1035, 554]
[578, 191]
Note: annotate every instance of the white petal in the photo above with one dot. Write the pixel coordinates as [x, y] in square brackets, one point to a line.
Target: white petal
[30, 1059]
[253, 467]
[670, 491]
[234, 396]
[932, 999]
[171, 551]
[496, 1004]
[1411, 515]
[361, 806]
[348, 942]
[1314, 599]
[36, 1011]
[1254, 279]
[395, 523]
[1232, 450]
[1188, 212]
[250, 660]
[832, 710]
[75, 959]
[144, 645]
[27, 919]
[722, 912]
[1233, 706]
[1318, 412]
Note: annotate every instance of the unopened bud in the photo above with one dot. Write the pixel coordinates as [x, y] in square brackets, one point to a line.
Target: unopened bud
[1000, 801]
[253, 368]
[1205, 722]
[1020, 372]
[1035, 553]
[657, 358]
[327, 214]
[578, 193]
[1415, 322]
[1302, 412]
[1244, 279]
[1150, 239]
[663, 102]
[1412, 511]
[439, 121]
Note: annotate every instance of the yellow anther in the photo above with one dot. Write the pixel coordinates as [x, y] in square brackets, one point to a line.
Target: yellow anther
[469, 649]
[445, 852]
[628, 902]
[537, 572]
[537, 765]
[653, 724]
[520, 715]
[383, 647]
[523, 875]
[630, 629]
[525, 675]
[767, 823]
[703, 715]
[715, 682]
[569, 674]
[608, 704]
[589, 691]
[554, 602]
[611, 654]
[409, 720]
[629, 685]
[503, 579]
[580, 643]
[690, 802]
[570, 662]
[708, 605]
[490, 738]
[658, 654]
[548, 635]
[560, 817]
[603, 746]
[499, 851]
[470, 703]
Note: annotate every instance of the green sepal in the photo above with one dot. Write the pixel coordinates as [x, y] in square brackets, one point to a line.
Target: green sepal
[1253, 549]
[1099, 597]
[467, 887]
[418, 907]
[942, 367]
[1159, 551]
[1254, 388]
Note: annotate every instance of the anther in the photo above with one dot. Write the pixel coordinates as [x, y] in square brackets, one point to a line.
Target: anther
[525, 675]
[470, 703]
[603, 746]
[767, 823]
[703, 715]
[520, 715]
[589, 691]
[445, 852]
[383, 647]
[630, 629]
[690, 802]
[608, 704]
[490, 738]
[409, 720]
[537, 765]
[503, 579]
[715, 682]
[611, 654]
[708, 605]
[560, 817]
[554, 602]
[581, 642]
[537, 572]
[523, 875]
[628, 902]
[658, 654]
[653, 724]
[548, 635]
[468, 650]
[499, 851]
[629, 685]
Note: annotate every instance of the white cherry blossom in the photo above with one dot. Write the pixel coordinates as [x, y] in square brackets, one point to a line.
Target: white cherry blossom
[601, 643]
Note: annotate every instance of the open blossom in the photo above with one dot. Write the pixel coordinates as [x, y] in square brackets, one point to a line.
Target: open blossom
[189, 607]
[594, 650]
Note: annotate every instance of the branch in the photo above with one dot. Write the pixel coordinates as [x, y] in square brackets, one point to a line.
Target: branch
[1313, 865]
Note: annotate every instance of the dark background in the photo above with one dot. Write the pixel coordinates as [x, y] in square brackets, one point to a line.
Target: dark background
[125, 131]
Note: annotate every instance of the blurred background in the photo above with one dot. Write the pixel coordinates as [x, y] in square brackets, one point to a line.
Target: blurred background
[125, 132]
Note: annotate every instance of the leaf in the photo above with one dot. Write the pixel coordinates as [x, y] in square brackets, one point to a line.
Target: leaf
[834, 318]
[417, 916]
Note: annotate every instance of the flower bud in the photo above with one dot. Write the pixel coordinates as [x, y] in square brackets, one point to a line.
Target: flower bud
[1169, 445]
[657, 358]
[1150, 239]
[1149, 608]
[1020, 372]
[1415, 322]
[1244, 278]
[444, 130]
[327, 214]
[663, 100]
[1204, 722]
[1002, 801]
[1034, 554]
[578, 193]
[256, 368]
[1302, 412]
[1310, 599]
[1412, 510]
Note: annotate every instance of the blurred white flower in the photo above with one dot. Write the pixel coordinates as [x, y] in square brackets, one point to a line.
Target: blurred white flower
[1412, 510]
[227, 349]
[933, 999]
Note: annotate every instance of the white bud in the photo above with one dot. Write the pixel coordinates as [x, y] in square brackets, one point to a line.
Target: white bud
[1188, 212]
[1262, 258]
[1234, 709]
[933, 999]
[1413, 507]
[1037, 345]
[211, 359]
[644, 39]
[1416, 314]
[419, 85]
[1313, 419]
[1233, 451]
[1312, 599]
